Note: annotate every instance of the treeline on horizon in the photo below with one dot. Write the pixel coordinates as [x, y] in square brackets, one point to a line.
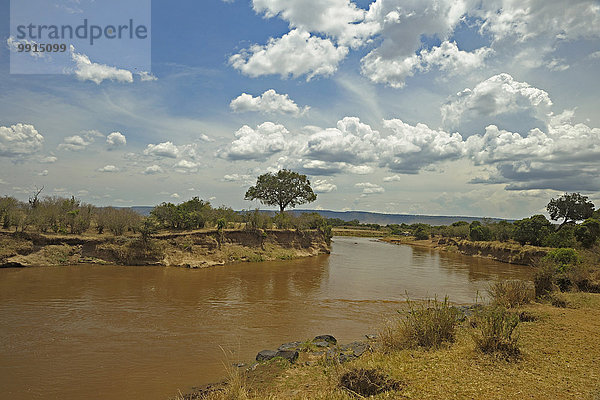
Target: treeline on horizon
[52, 214]
[580, 227]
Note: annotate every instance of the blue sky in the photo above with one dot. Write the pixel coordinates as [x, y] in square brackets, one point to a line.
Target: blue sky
[431, 106]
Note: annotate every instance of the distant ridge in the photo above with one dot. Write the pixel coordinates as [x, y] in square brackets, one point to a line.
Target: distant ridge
[366, 217]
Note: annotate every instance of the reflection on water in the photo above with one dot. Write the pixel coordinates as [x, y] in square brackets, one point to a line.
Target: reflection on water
[99, 332]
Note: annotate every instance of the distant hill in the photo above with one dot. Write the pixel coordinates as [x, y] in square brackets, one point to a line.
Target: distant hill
[372, 218]
[385, 219]
[144, 210]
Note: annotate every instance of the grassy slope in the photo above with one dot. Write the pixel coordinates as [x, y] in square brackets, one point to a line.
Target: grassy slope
[560, 361]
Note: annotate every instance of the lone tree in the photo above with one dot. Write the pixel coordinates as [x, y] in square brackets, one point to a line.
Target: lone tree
[284, 188]
[571, 207]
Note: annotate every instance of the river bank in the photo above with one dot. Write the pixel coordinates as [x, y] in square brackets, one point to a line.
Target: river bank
[196, 249]
[558, 355]
[511, 253]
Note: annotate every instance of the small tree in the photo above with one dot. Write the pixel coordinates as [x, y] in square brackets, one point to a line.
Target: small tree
[571, 207]
[284, 189]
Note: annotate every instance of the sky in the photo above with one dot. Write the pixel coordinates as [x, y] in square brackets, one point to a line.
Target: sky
[439, 107]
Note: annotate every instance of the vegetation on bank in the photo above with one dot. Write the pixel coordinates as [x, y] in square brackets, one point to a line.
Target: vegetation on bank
[528, 350]
[531, 341]
[191, 233]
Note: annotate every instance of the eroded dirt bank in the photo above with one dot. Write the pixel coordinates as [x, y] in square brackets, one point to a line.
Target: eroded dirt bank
[190, 249]
[511, 253]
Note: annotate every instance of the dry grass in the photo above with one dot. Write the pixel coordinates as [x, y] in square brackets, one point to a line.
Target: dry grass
[494, 333]
[367, 382]
[511, 293]
[559, 354]
[427, 325]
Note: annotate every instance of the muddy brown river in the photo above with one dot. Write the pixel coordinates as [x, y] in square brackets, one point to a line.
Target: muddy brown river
[111, 332]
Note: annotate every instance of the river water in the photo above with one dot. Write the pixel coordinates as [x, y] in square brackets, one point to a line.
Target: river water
[113, 332]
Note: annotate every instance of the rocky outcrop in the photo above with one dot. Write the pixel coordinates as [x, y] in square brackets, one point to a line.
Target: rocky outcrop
[322, 346]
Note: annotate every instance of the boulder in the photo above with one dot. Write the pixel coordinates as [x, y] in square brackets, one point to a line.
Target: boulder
[325, 338]
[322, 344]
[265, 355]
[289, 346]
[289, 355]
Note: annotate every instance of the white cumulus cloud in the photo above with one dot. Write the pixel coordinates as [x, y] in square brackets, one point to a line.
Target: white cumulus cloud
[323, 186]
[499, 99]
[257, 144]
[19, 140]
[270, 102]
[295, 54]
[115, 140]
[165, 149]
[86, 70]
[369, 188]
[108, 168]
[153, 170]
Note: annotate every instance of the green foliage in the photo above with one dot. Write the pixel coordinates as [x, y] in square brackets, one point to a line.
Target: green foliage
[284, 189]
[422, 233]
[257, 220]
[460, 223]
[147, 228]
[285, 220]
[502, 231]
[189, 215]
[588, 232]
[336, 222]
[12, 212]
[570, 207]
[564, 237]
[459, 229]
[478, 232]
[494, 332]
[532, 230]
[564, 258]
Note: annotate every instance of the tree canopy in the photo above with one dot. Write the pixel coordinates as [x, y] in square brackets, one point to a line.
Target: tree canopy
[284, 189]
[571, 207]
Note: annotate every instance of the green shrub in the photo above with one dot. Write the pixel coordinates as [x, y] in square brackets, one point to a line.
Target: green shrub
[494, 332]
[532, 230]
[564, 258]
[501, 230]
[285, 220]
[479, 232]
[588, 232]
[511, 293]
[421, 233]
[427, 325]
[564, 237]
